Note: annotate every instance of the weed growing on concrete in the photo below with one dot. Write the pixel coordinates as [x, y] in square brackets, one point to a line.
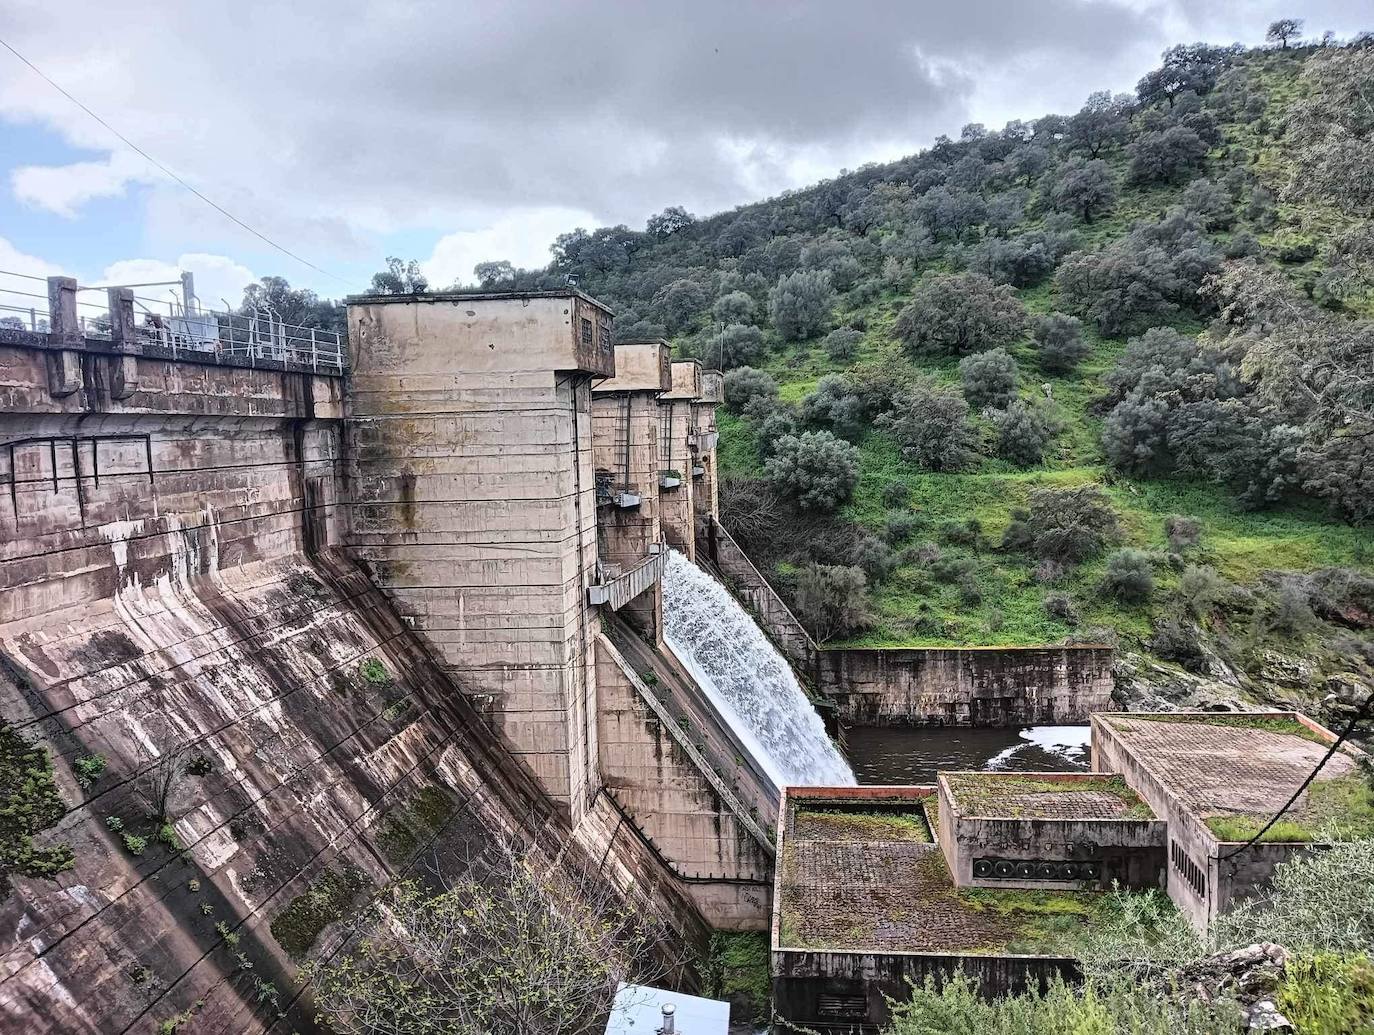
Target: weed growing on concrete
[134, 844]
[88, 769]
[114, 823]
[375, 672]
[29, 804]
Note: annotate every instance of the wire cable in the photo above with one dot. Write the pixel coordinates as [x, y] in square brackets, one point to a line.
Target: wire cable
[154, 162]
[1349, 729]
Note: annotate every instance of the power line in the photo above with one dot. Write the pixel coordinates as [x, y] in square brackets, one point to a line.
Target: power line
[154, 162]
[1349, 729]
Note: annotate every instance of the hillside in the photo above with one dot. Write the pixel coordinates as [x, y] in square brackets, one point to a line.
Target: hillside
[1215, 209]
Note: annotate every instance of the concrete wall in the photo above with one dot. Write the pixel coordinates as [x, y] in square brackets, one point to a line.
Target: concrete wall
[753, 590]
[473, 502]
[973, 686]
[677, 416]
[1132, 852]
[176, 589]
[705, 477]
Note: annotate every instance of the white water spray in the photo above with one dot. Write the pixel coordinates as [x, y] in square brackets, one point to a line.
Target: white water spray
[747, 679]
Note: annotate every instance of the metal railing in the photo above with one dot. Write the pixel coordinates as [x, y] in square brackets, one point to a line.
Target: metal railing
[24, 301]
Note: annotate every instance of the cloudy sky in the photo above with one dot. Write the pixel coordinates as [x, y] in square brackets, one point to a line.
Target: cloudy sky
[455, 131]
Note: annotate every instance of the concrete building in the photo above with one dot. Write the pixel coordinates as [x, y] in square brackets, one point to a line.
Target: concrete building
[678, 413]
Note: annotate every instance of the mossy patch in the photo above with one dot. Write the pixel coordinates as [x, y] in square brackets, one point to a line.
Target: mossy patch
[837, 824]
[993, 795]
[409, 827]
[329, 898]
[30, 803]
[738, 971]
[1341, 808]
[1236, 720]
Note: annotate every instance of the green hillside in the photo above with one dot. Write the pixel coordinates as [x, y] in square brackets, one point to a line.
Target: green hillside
[1229, 201]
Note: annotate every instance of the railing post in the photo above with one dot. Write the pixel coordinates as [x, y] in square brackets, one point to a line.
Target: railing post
[123, 335]
[314, 352]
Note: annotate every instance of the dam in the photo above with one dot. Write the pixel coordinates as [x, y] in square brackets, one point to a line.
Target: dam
[277, 631]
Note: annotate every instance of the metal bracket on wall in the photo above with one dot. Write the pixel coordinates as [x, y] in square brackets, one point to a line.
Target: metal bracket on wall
[73, 443]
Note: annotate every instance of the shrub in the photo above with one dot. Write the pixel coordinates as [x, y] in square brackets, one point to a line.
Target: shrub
[1023, 432]
[88, 769]
[745, 384]
[740, 345]
[1200, 589]
[737, 307]
[842, 344]
[834, 406]
[200, 765]
[832, 600]
[114, 823]
[1061, 607]
[800, 304]
[931, 425]
[1328, 994]
[1168, 156]
[815, 468]
[1176, 640]
[1129, 576]
[1058, 340]
[772, 428]
[1211, 202]
[875, 557]
[900, 527]
[134, 844]
[1084, 188]
[375, 672]
[895, 494]
[1182, 531]
[1291, 613]
[1070, 524]
[960, 313]
[989, 378]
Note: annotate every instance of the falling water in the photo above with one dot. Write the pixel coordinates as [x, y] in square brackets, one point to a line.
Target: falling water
[747, 679]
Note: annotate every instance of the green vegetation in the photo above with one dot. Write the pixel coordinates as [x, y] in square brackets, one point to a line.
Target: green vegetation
[375, 672]
[1238, 720]
[1329, 994]
[88, 769]
[1341, 808]
[994, 794]
[134, 844]
[330, 898]
[738, 971]
[841, 824]
[30, 803]
[410, 827]
[1052, 923]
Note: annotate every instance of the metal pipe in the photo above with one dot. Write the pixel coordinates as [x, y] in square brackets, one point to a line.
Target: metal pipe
[669, 1019]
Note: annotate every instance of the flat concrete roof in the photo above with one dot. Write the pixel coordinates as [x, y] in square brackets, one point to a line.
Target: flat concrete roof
[1231, 763]
[855, 874]
[1066, 796]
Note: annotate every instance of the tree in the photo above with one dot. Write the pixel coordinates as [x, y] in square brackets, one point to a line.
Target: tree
[1166, 157]
[1058, 340]
[1283, 30]
[832, 600]
[1194, 68]
[1129, 576]
[400, 278]
[1070, 525]
[1026, 163]
[815, 468]
[931, 425]
[959, 313]
[1332, 132]
[740, 346]
[735, 307]
[1211, 202]
[799, 305]
[745, 384]
[671, 220]
[989, 378]
[1102, 124]
[842, 344]
[494, 274]
[680, 303]
[1023, 432]
[1085, 188]
[835, 406]
[514, 945]
[299, 306]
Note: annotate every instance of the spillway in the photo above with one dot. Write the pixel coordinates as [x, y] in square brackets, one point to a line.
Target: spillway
[747, 679]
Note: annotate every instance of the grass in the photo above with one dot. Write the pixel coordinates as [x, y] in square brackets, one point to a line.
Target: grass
[988, 794]
[1328, 994]
[1053, 923]
[857, 825]
[1341, 808]
[1267, 723]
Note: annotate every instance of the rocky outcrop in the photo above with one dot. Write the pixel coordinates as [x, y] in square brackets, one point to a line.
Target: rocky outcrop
[1249, 977]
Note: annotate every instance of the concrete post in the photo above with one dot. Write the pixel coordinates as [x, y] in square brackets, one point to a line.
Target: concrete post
[675, 454]
[63, 325]
[122, 332]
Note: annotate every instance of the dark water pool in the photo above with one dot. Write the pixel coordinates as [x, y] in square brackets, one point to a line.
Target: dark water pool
[907, 756]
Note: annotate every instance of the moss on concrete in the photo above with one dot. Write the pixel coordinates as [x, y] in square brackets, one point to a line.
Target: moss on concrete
[1341, 808]
[738, 971]
[329, 898]
[997, 795]
[30, 803]
[410, 826]
[1238, 720]
[835, 824]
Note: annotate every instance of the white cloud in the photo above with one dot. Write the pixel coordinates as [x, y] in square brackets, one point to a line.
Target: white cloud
[523, 237]
[16, 292]
[218, 279]
[64, 189]
[14, 261]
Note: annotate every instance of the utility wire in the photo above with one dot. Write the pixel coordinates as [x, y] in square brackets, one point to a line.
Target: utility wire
[1349, 729]
[153, 161]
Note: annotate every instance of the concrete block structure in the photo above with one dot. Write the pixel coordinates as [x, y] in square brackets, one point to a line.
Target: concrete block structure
[473, 501]
[704, 439]
[677, 434]
[625, 441]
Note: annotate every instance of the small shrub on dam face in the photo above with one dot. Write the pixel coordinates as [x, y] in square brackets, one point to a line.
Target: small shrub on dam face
[199, 766]
[114, 823]
[29, 804]
[134, 844]
[88, 769]
[375, 672]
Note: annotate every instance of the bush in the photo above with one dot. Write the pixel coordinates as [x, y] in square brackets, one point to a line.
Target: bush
[1328, 994]
[816, 469]
[1130, 576]
[931, 425]
[1211, 202]
[842, 344]
[1169, 156]
[1023, 432]
[1061, 607]
[989, 378]
[1176, 640]
[900, 527]
[744, 384]
[1058, 340]
[832, 600]
[1070, 525]
[1200, 589]
[88, 769]
[134, 844]
[740, 345]
[1084, 188]
[1182, 531]
[1291, 614]
[835, 406]
[114, 823]
[960, 313]
[737, 307]
[875, 557]
[895, 494]
[800, 304]
[772, 428]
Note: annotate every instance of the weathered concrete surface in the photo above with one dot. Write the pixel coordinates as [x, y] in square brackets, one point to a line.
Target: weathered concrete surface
[473, 502]
[677, 416]
[754, 591]
[169, 583]
[705, 478]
